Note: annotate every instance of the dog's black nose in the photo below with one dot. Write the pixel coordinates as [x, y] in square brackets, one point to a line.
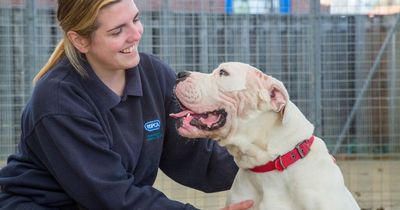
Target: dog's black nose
[182, 76]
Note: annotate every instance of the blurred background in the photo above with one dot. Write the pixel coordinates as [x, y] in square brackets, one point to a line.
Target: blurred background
[339, 60]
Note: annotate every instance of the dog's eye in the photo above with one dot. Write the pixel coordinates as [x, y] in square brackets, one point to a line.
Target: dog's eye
[222, 72]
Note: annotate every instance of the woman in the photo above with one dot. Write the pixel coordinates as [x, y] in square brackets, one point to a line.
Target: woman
[96, 128]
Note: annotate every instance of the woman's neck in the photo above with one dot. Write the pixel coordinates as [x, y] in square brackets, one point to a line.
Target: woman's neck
[115, 80]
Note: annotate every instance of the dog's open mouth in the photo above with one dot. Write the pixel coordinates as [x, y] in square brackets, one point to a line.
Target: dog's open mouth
[205, 121]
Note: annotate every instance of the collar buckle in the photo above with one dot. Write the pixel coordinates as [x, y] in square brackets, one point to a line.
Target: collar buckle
[281, 166]
[300, 150]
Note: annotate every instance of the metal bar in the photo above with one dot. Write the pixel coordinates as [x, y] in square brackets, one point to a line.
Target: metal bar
[392, 95]
[366, 84]
[204, 45]
[316, 39]
[31, 55]
[165, 16]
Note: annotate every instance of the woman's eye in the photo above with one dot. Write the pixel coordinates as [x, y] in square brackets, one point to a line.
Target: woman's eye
[136, 20]
[117, 31]
[222, 72]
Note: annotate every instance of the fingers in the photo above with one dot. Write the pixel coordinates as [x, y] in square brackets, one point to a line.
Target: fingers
[240, 206]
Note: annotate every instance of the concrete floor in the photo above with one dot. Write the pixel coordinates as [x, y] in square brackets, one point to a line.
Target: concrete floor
[374, 183]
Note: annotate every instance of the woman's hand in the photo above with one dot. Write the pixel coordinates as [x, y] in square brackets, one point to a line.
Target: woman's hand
[240, 206]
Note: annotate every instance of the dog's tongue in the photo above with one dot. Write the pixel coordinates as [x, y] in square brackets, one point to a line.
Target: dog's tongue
[204, 119]
[181, 114]
[184, 118]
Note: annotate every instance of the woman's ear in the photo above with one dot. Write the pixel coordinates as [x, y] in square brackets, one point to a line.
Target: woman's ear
[79, 42]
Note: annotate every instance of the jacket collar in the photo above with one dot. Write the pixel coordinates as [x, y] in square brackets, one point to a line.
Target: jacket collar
[105, 95]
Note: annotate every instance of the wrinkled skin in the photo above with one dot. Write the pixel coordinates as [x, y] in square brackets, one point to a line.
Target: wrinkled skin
[227, 90]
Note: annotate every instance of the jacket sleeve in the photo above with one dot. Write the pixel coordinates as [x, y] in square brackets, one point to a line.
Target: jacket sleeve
[77, 154]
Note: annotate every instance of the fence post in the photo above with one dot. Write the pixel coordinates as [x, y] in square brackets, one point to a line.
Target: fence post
[393, 76]
[203, 40]
[316, 62]
[165, 14]
[30, 49]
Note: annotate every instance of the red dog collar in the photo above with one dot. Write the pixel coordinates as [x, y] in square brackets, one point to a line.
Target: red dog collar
[284, 161]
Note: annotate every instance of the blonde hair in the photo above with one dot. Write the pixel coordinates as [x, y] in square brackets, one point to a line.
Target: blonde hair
[79, 16]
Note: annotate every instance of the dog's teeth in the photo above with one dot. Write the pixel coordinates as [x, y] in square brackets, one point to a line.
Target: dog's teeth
[188, 115]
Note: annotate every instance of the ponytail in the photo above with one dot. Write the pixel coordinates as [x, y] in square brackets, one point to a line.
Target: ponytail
[78, 16]
[63, 48]
[54, 58]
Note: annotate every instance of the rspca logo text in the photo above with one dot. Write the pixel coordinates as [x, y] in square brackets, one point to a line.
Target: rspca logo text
[152, 125]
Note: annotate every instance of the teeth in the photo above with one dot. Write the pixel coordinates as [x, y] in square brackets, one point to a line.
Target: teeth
[188, 115]
[129, 50]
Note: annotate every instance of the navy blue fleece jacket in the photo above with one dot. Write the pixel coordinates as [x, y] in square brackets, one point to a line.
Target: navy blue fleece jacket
[83, 146]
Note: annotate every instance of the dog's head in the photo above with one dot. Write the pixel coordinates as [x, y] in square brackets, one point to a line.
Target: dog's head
[213, 105]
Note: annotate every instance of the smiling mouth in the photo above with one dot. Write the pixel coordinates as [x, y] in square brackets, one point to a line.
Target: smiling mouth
[208, 121]
[128, 50]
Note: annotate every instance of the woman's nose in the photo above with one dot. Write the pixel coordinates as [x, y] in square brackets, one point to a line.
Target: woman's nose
[135, 33]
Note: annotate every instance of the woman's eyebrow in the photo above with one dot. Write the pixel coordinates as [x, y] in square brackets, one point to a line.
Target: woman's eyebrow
[123, 24]
[119, 26]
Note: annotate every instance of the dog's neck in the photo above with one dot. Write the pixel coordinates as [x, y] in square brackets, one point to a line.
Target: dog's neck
[277, 136]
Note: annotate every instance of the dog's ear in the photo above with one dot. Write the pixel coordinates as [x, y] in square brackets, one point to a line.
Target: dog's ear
[276, 93]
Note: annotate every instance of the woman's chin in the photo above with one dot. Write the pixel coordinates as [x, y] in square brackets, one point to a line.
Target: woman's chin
[133, 62]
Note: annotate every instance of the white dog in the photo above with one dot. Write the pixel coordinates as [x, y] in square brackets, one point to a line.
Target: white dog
[282, 165]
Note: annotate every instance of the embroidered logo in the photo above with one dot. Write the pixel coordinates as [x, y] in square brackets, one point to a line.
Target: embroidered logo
[152, 125]
[153, 129]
